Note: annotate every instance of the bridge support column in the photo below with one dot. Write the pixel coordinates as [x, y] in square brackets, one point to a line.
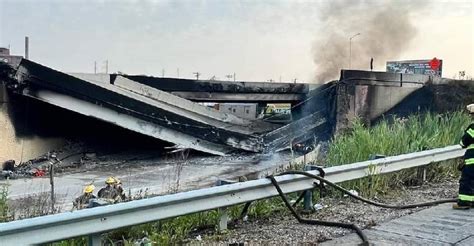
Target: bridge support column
[18, 140]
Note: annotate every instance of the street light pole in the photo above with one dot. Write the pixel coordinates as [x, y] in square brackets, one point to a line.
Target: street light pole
[350, 49]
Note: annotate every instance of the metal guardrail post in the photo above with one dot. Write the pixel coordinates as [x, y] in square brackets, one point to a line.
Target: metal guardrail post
[308, 194]
[223, 215]
[223, 219]
[94, 240]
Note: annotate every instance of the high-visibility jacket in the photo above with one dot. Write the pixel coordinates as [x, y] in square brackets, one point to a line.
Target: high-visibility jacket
[466, 183]
[467, 141]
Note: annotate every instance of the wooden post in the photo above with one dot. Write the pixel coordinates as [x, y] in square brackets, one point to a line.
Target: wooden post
[51, 182]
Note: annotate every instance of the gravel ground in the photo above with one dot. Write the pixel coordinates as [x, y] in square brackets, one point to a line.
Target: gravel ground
[283, 229]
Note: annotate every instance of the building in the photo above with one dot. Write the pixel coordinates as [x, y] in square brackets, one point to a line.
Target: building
[243, 110]
[10, 59]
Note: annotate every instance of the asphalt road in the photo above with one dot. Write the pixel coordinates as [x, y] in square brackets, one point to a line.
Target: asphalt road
[157, 176]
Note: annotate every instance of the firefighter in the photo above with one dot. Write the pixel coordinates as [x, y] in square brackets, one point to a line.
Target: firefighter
[109, 192]
[466, 183]
[83, 200]
[119, 189]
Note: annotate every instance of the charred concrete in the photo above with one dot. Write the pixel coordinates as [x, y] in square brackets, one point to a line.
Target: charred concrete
[372, 96]
[37, 77]
[226, 91]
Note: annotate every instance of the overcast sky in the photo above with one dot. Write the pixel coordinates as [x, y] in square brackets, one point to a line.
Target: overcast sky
[257, 40]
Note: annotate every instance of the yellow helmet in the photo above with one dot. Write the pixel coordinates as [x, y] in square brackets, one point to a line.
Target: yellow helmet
[117, 181]
[110, 180]
[89, 189]
[470, 108]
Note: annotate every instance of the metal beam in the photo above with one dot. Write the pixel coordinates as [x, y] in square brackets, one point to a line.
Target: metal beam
[95, 220]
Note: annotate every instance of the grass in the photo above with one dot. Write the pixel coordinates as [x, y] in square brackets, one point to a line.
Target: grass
[399, 136]
[175, 230]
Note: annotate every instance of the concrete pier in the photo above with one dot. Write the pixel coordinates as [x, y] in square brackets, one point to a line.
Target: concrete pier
[18, 142]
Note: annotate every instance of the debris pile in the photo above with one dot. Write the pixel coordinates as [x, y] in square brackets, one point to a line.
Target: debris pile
[33, 168]
[41, 165]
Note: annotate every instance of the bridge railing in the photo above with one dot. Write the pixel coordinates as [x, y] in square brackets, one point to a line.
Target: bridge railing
[102, 219]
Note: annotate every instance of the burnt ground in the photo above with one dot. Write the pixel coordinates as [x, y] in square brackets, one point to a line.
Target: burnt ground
[283, 229]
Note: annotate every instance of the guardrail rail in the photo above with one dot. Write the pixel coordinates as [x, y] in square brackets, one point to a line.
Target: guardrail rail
[97, 220]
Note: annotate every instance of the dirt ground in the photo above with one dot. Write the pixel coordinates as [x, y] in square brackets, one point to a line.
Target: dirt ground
[283, 229]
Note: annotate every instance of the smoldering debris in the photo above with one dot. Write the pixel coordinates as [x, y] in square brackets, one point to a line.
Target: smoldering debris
[386, 29]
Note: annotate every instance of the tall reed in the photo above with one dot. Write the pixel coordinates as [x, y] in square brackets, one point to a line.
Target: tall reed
[394, 136]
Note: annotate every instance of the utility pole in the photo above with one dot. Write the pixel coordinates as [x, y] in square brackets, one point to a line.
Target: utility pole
[27, 47]
[234, 77]
[163, 73]
[95, 67]
[197, 75]
[350, 48]
[106, 66]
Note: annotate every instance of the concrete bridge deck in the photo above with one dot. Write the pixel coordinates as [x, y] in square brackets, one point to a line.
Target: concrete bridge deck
[439, 225]
[226, 91]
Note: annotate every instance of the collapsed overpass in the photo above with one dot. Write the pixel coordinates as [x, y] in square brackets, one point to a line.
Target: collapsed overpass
[227, 91]
[145, 109]
[152, 106]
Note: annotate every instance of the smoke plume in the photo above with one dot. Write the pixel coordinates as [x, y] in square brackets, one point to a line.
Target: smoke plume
[385, 31]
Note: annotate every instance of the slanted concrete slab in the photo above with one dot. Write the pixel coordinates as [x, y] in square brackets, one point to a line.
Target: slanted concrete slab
[194, 110]
[439, 225]
[148, 116]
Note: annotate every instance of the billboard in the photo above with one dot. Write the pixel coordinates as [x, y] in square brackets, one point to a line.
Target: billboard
[427, 67]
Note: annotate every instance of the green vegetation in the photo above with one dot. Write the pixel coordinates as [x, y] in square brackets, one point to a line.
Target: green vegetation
[172, 231]
[399, 136]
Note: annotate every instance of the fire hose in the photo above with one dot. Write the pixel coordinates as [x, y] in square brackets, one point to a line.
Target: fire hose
[354, 227]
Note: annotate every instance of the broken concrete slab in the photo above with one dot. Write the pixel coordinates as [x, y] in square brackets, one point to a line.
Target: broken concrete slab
[34, 79]
[126, 121]
[194, 110]
[283, 137]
